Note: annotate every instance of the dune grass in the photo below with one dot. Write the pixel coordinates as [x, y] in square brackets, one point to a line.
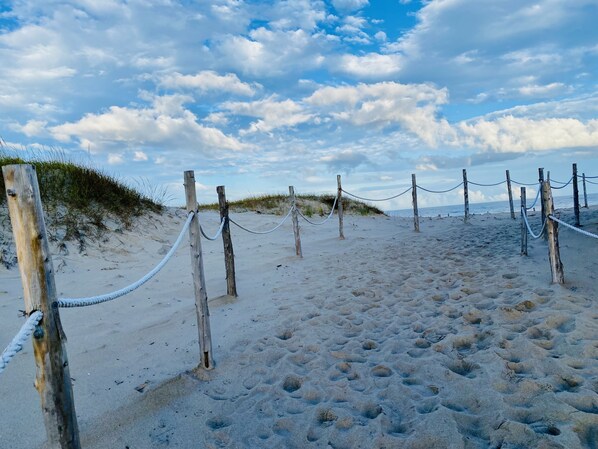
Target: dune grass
[310, 204]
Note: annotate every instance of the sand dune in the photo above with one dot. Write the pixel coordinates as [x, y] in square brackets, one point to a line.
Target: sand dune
[446, 338]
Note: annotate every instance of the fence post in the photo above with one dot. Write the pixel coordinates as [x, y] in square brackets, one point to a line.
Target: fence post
[585, 193]
[465, 194]
[523, 227]
[542, 203]
[339, 194]
[295, 222]
[229, 255]
[53, 380]
[199, 280]
[552, 230]
[576, 196]
[414, 196]
[510, 192]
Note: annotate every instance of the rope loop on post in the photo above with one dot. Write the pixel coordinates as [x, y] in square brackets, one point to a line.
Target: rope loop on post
[440, 191]
[82, 302]
[19, 340]
[534, 236]
[321, 222]
[567, 225]
[379, 199]
[222, 222]
[263, 232]
[486, 185]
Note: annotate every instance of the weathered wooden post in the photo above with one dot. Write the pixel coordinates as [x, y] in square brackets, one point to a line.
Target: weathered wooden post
[585, 193]
[229, 255]
[510, 192]
[199, 280]
[552, 230]
[52, 380]
[541, 181]
[414, 197]
[576, 196]
[339, 194]
[295, 218]
[465, 194]
[523, 226]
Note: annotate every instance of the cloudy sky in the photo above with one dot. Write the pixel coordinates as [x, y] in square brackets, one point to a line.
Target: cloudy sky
[262, 94]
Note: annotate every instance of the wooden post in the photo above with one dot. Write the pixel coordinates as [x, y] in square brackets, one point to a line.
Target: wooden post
[542, 202]
[465, 194]
[199, 280]
[229, 255]
[414, 197]
[52, 380]
[552, 230]
[576, 196]
[510, 192]
[523, 227]
[339, 194]
[585, 193]
[295, 222]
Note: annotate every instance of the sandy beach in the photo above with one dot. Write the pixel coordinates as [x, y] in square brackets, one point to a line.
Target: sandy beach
[447, 338]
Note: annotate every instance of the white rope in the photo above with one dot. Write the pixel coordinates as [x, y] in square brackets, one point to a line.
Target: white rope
[487, 185]
[581, 231]
[380, 199]
[217, 232]
[440, 191]
[591, 177]
[321, 222]
[82, 302]
[524, 215]
[558, 182]
[535, 201]
[19, 340]
[263, 232]
[524, 183]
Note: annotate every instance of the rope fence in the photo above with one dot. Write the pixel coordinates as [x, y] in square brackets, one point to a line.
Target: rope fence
[20, 339]
[21, 184]
[565, 184]
[90, 301]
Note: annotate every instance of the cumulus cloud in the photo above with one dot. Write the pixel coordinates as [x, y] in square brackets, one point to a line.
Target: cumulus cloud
[345, 161]
[349, 5]
[412, 106]
[162, 123]
[371, 65]
[209, 80]
[272, 113]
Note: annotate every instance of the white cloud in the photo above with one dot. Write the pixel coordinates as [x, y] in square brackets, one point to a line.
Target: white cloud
[535, 90]
[166, 121]
[272, 114]
[371, 65]
[140, 156]
[209, 80]
[514, 134]
[349, 5]
[115, 159]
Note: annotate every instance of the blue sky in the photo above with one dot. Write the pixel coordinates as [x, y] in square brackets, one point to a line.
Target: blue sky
[260, 95]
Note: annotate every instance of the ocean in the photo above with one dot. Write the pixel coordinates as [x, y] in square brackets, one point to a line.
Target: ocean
[455, 210]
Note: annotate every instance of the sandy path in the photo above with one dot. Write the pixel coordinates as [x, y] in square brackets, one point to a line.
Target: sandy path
[446, 338]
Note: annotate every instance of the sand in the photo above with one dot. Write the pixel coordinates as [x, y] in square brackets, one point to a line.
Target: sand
[446, 338]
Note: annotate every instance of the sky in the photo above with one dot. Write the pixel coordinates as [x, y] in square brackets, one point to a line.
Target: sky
[258, 95]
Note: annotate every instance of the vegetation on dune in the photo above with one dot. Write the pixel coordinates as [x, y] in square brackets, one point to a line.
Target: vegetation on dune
[308, 204]
[77, 201]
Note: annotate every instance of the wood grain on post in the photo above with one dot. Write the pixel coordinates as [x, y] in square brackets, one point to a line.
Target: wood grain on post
[510, 192]
[576, 196]
[585, 193]
[414, 200]
[229, 255]
[552, 230]
[523, 226]
[295, 219]
[53, 380]
[465, 195]
[199, 280]
[541, 181]
[339, 194]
